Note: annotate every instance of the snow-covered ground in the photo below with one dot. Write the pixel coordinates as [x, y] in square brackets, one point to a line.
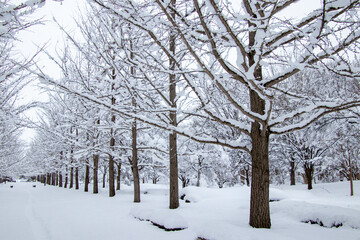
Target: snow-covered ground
[52, 213]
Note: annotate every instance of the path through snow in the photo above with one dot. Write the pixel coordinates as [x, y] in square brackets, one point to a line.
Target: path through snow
[53, 213]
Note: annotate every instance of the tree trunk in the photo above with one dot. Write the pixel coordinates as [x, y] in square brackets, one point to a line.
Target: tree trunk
[183, 183]
[53, 179]
[198, 178]
[292, 173]
[66, 178]
[87, 178]
[76, 178]
[112, 142]
[118, 177]
[48, 179]
[351, 177]
[309, 169]
[56, 178]
[247, 177]
[104, 178]
[60, 174]
[95, 173]
[60, 180]
[259, 200]
[260, 180]
[135, 168]
[111, 175]
[174, 185]
[71, 177]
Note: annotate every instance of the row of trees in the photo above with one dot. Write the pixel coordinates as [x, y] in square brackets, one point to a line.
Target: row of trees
[144, 72]
[13, 18]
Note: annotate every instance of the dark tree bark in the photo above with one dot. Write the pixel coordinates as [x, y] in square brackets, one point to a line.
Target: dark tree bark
[71, 177]
[135, 168]
[292, 173]
[60, 174]
[76, 178]
[60, 180]
[53, 179]
[118, 177]
[87, 178]
[95, 173]
[112, 143]
[174, 187]
[247, 176]
[260, 180]
[198, 178]
[48, 179]
[104, 177]
[309, 170]
[111, 176]
[56, 178]
[66, 178]
[184, 181]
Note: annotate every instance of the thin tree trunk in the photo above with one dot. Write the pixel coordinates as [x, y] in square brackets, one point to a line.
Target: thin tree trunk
[183, 181]
[60, 174]
[76, 178]
[111, 176]
[53, 179]
[174, 185]
[104, 178]
[60, 180]
[292, 173]
[48, 179]
[198, 178]
[95, 173]
[118, 177]
[71, 177]
[71, 162]
[66, 178]
[135, 168]
[87, 178]
[247, 177]
[309, 169]
[351, 177]
[112, 142]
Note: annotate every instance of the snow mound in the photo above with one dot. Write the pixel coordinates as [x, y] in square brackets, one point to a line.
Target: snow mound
[195, 194]
[218, 230]
[164, 219]
[324, 215]
[155, 189]
[141, 213]
[168, 220]
[276, 195]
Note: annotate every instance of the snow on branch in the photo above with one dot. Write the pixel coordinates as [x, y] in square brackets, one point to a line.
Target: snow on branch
[317, 112]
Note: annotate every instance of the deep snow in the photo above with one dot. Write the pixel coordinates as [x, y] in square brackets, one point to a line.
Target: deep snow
[51, 213]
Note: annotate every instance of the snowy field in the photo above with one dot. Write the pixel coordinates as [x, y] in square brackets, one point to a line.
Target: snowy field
[52, 213]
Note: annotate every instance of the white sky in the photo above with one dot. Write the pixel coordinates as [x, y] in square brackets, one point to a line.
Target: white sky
[45, 34]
